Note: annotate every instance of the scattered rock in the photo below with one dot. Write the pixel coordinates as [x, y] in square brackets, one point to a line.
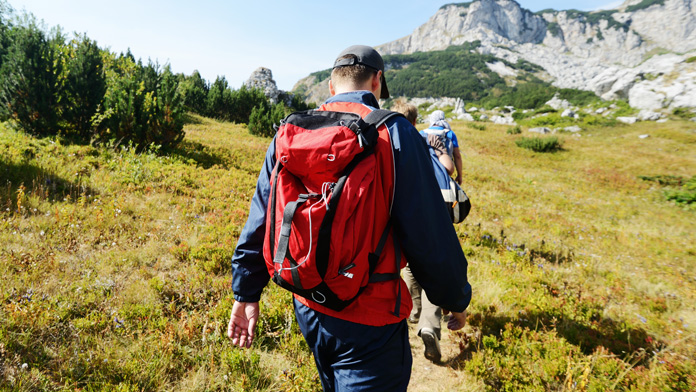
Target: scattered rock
[558, 103]
[483, 117]
[542, 130]
[627, 120]
[648, 115]
[573, 128]
[504, 120]
[569, 113]
[644, 136]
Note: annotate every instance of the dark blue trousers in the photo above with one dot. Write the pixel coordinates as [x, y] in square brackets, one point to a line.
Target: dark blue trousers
[356, 357]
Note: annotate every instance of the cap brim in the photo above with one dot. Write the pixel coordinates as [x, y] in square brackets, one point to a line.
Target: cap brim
[385, 90]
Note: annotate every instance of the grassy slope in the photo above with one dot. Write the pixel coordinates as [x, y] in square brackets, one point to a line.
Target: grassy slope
[115, 266]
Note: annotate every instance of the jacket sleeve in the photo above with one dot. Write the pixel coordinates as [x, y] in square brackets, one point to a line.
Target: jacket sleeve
[423, 225]
[249, 273]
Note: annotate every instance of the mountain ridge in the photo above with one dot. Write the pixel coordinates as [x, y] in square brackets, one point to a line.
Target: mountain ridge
[642, 51]
[623, 53]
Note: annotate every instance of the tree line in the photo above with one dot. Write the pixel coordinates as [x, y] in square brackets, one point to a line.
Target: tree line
[54, 85]
[460, 71]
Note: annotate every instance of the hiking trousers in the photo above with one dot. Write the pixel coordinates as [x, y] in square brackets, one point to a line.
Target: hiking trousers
[356, 357]
[428, 314]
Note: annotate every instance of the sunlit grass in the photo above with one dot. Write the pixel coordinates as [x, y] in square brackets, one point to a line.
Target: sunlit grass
[115, 264]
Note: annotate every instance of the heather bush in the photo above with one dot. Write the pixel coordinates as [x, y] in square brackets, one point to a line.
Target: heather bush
[540, 144]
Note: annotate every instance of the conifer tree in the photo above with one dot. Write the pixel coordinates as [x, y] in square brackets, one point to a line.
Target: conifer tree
[85, 86]
[29, 82]
[194, 92]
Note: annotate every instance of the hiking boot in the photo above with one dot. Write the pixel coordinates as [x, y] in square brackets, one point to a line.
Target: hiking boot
[432, 344]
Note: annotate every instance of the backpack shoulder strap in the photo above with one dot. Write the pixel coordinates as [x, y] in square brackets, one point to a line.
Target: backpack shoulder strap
[378, 117]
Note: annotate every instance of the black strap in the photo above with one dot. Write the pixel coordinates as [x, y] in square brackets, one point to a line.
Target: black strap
[397, 258]
[378, 117]
[284, 238]
[373, 257]
[277, 168]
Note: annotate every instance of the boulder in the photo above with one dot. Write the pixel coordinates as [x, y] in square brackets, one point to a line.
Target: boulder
[648, 115]
[627, 120]
[542, 130]
[503, 120]
[569, 113]
[558, 103]
[573, 129]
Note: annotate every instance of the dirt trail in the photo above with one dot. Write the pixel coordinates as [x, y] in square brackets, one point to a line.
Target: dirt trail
[427, 376]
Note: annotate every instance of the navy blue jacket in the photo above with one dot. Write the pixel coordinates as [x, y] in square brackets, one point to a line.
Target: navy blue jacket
[428, 239]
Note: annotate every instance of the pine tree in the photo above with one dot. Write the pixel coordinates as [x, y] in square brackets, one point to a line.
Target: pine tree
[194, 92]
[85, 86]
[29, 81]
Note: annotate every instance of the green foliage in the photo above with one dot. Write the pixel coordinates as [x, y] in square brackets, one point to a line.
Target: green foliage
[85, 86]
[264, 117]
[321, 75]
[460, 71]
[514, 130]
[551, 119]
[554, 29]
[690, 60]
[462, 5]
[244, 101]
[679, 189]
[194, 93]
[48, 86]
[644, 4]
[578, 97]
[455, 72]
[30, 88]
[685, 113]
[595, 17]
[540, 144]
[480, 127]
[219, 100]
[522, 96]
[142, 105]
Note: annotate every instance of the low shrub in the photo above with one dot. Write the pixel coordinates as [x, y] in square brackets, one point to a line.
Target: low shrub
[684, 195]
[540, 144]
[514, 131]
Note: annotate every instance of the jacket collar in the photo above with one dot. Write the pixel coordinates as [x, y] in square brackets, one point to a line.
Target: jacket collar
[363, 96]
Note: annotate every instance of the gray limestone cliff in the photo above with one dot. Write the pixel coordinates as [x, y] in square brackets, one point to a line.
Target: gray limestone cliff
[641, 51]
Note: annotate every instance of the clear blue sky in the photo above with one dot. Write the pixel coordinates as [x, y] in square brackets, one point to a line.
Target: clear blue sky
[234, 37]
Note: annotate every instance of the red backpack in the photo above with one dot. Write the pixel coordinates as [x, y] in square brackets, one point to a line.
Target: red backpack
[320, 229]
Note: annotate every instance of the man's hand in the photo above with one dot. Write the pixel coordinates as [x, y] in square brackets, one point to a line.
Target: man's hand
[459, 178]
[457, 320]
[243, 323]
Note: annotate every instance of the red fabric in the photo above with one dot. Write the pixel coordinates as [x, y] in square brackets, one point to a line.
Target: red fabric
[372, 184]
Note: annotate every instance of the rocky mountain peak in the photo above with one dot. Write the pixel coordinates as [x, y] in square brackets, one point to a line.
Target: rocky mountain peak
[262, 78]
[640, 51]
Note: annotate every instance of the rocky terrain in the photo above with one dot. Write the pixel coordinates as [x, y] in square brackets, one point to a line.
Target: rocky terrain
[642, 51]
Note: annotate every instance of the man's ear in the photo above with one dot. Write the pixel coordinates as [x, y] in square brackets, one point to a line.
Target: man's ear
[377, 81]
[332, 91]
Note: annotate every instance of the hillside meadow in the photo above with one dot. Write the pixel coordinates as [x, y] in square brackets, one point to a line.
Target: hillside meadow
[115, 266]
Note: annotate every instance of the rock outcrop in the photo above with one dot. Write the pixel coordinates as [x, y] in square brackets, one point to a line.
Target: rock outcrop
[262, 78]
[641, 51]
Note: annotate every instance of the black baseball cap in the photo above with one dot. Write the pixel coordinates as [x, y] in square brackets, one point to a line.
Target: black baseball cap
[367, 56]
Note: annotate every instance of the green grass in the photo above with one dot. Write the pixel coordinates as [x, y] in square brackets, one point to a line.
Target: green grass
[115, 265]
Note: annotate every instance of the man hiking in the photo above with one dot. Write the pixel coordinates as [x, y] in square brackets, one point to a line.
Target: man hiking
[364, 345]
